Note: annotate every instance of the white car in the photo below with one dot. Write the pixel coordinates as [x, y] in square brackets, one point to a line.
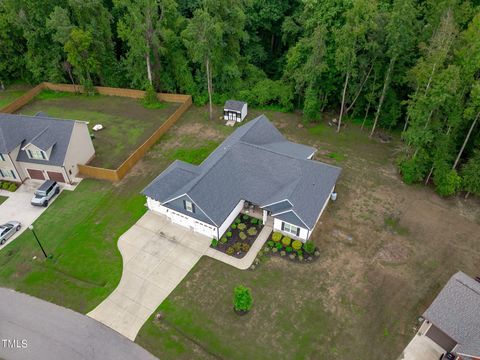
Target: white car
[7, 230]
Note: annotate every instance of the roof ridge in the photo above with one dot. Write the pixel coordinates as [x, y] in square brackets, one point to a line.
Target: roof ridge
[38, 135]
[461, 277]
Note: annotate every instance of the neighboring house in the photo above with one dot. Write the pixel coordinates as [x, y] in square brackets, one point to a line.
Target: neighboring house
[41, 147]
[235, 110]
[451, 323]
[257, 166]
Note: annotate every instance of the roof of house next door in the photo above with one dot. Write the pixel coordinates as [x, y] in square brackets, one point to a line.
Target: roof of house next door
[247, 167]
[456, 311]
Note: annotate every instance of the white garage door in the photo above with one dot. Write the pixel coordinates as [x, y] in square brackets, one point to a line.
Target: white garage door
[204, 229]
[181, 220]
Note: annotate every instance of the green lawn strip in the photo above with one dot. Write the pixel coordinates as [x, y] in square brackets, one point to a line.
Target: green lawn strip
[80, 229]
[194, 155]
[7, 96]
[2, 199]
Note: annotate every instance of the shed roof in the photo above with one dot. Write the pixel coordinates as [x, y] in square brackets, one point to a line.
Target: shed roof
[234, 105]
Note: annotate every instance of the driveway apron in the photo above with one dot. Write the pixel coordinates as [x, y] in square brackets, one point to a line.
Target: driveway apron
[157, 255]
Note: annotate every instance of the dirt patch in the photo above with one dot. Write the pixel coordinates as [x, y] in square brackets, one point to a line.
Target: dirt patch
[392, 253]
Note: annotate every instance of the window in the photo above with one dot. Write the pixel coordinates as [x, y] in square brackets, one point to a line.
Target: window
[188, 206]
[2, 158]
[289, 228]
[7, 173]
[36, 154]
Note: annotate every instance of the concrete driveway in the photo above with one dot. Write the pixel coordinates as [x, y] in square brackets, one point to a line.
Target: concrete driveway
[31, 328]
[17, 206]
[156, 257]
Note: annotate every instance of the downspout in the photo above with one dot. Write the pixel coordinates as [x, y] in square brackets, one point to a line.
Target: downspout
[66, 173]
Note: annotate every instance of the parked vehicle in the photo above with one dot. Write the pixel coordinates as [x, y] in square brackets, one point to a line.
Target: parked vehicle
[45, 192]
[7, 230]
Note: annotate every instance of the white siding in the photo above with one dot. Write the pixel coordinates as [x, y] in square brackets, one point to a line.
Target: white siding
[303, 236]
[8, 165]
[231, 217]
[244, 112]
[182, 219]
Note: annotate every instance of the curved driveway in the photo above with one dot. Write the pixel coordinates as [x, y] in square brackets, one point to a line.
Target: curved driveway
[31, 328]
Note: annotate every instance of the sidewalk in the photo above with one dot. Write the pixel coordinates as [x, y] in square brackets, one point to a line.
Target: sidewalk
[245, 262]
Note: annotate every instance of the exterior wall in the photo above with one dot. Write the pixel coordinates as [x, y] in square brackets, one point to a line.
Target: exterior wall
[303, 236]
[43, 168]
[182, 219]
[177, 205]
[244, 112]
[80, 149]
[9, 165]
[236, 210]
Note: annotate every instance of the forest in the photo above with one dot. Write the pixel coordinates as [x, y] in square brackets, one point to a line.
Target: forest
[407, 66]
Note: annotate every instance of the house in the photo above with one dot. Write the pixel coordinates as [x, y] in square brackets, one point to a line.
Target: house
[41, 147]
[255, 167]
[235, 110]
[451, 323]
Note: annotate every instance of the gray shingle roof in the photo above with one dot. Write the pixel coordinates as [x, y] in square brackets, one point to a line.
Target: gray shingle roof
[244, 168]
[456, 311]
[234, 105]
[43, 132]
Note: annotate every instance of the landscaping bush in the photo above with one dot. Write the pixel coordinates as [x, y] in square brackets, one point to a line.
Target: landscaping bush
[289, 249]
[309, 247]
[242, 235]
[234, 226]
[260, 222]
[297, 245]
[276, 236]
[238, 221]
[300, 257]
[283, 253]
[292, 256]
[241, 226]
[242, 300]
[223, 240]
[286, 241]
[214, 243]
[230, 251]
[5, 185]
[150, 99]
[237, 246]
[270, 243]
[299, 252]
[253, 221]
[278, 246]
[252, 231]
[12, 187]
[274, 250]
[245, 217]
[229, 234]
[245, 247]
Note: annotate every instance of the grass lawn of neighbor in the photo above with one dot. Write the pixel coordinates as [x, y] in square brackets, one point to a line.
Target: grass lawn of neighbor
[11, 93]
[384, 246]
[2, 199]
[127, 123]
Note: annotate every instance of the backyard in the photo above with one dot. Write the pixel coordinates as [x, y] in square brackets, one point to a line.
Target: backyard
[386, 249]
[127, 123]
[11, 93]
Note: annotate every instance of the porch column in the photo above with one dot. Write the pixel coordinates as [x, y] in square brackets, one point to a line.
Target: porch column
[264, 217]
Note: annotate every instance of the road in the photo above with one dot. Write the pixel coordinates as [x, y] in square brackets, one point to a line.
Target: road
[31, 328]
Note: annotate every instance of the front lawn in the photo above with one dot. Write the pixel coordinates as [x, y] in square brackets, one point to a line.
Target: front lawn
[2, 199]
[127, 123]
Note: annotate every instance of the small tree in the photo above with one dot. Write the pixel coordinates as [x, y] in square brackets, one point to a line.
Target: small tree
[242, 301]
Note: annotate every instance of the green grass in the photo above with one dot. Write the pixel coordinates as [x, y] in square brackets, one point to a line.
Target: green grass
[2, 199]
[393, 224]
[7, 96]
[317, 129]
[157, 105]
[52, 95]
[337, 157]
[80, 229]
[193, 155]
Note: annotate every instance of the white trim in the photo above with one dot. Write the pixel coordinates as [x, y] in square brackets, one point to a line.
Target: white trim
[175, 198]
[283, 212]
[185, 194]
[276, 202]
[299, 218]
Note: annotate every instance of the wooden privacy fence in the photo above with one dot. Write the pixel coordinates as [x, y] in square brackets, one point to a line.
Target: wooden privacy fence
[119, 173]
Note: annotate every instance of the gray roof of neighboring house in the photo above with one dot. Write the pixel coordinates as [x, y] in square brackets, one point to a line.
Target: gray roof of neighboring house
[234, 105]
[456, 311]
[244, 167]
[42, 131]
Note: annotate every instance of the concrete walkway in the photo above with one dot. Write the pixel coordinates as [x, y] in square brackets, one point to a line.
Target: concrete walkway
[245, 262]
[17, 207]
[31, 328]
[157, 255]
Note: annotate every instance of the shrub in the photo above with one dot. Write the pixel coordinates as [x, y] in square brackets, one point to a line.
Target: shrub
[237, 246]
[234, 226]
[299, 252]
[245, 217]
[274, 250]
[252, 231]
[309, 247]
[12, 187]
[238, 221]
[223, 239]
[297, 245]
[270, 243]
[242, 235]
[300, 257]
[150, 97]
[241, 226]
[242, 299]
[317, 253]
[279, 246]
[246, 247]
[5, 185]
[214, 243]
[230, 251]
[286, 241]
[253, 221]
[260, 222]
[283, 253]
[229, 234]
[289, 249]
[267, 249]
[276, 236]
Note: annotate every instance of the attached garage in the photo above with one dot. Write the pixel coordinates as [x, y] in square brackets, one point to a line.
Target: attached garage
[36, 174]
[57, 176]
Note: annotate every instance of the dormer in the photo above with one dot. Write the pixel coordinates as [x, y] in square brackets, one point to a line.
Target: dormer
[40, 147]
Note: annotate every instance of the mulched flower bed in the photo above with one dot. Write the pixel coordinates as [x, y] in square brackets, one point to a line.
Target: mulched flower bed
[232, 242]
[295, 251]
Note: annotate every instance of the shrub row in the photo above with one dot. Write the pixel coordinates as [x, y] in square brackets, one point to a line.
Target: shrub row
[9, 186]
